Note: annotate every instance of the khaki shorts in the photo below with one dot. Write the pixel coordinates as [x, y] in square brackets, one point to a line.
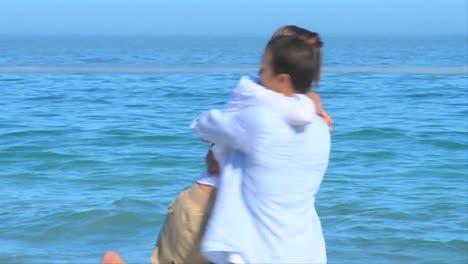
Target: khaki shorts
[179, 239]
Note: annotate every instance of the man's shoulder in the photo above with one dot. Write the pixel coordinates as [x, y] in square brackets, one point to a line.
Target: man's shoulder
[261, 117]
[260, 111]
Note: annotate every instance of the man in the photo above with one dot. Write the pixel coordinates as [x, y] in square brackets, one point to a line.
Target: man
[179, 239]
[282, 165]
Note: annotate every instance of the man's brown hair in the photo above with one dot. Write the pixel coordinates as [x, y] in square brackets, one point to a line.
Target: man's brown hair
[294, 56]
[311, 37]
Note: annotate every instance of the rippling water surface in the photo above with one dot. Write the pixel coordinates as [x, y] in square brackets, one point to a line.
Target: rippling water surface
[90, 160]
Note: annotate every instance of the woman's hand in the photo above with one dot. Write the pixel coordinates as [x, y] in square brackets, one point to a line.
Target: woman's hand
[211, 164]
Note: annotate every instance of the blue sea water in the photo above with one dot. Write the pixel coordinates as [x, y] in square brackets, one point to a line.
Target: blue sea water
[95, 142]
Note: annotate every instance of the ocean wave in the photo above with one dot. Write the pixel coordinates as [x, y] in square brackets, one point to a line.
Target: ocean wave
[445, 144]
[29, 133]
[372, 133]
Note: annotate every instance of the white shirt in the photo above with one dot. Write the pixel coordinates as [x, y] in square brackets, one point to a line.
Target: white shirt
[296, 110]
[267, 215]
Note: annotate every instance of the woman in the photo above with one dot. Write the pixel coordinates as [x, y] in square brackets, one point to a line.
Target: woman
[180, 236]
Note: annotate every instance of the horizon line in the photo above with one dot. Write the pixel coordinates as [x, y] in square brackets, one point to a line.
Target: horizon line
[135, 34]
[455, 70]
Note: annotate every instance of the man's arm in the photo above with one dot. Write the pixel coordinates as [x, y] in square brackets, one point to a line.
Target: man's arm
[225, 128]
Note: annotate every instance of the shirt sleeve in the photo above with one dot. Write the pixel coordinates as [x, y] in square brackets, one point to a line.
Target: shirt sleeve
[230, 129]
[247, 93]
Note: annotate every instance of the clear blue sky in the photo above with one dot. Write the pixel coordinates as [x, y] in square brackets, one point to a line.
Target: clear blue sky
[232, 17]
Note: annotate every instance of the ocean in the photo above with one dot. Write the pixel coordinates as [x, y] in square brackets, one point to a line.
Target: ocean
[95, 142]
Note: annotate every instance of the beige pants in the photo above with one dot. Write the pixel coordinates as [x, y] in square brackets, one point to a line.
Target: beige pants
[179, 239]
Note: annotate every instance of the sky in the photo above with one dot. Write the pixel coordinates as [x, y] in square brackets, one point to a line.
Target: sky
[232, 17]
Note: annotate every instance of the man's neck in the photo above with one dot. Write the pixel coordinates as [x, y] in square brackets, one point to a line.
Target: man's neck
[284, 90]
[288, 91]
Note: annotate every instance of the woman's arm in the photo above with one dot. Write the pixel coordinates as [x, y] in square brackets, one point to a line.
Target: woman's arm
[211, 164]
[320, 111]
